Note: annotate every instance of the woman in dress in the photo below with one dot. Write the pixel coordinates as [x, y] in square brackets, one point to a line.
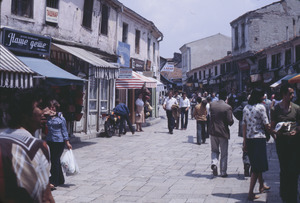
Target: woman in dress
[57, 137]
[139, 116]
[255, 122]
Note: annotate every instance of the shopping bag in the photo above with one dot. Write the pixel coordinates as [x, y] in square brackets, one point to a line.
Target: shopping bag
[68, 163]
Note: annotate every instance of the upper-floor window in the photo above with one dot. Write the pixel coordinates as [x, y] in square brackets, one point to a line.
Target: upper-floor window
[209, 72]
[228, 67]
[243, 34]
[154, 52]
[125, 33]
[276, 60]
[236, 37]
[216, 70]
[288, 57]
[200, 75]
[104, 19]
[52, 3]
[137, 41]
[297, 53]
[195, 76]
[204, 74]
[87, 13]
[22, 8]
[223, 68]
[148, 47]
[262, 64]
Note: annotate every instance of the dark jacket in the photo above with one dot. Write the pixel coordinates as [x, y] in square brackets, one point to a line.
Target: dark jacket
[221, 118]
[121, 109]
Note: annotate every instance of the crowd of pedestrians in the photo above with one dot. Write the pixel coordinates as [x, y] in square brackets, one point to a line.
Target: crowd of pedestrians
[259, 119]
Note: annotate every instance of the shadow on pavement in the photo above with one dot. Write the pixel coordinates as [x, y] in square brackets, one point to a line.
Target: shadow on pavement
[66, 185]
[199, 175]
[82, 144]
[240, 197]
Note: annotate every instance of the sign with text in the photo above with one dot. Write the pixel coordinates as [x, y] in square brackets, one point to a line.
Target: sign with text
[124, 54]
[51, 15]
[137, 65]
[26, 42]
[125, 73]
[168, 68]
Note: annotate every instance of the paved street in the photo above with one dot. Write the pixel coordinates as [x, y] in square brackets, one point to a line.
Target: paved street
[154, 166]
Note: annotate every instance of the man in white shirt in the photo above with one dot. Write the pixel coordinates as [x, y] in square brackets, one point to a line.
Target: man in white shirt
[176, 118]
[168, 103]
[184, 107]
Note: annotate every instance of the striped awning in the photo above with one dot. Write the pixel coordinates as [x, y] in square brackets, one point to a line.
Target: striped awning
[104, 70]
[136, 82]
[13, 72]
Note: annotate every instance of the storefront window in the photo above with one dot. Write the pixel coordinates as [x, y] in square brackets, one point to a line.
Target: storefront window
[93, 92]
[104, 95]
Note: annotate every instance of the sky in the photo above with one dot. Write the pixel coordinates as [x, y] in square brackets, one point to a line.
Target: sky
[184, 21]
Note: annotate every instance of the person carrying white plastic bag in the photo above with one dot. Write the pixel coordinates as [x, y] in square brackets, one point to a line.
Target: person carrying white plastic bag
[69, 164]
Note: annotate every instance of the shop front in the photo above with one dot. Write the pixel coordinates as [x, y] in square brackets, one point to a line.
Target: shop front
[127, 90]
[98, 91]
[31, 50]
[13, 75]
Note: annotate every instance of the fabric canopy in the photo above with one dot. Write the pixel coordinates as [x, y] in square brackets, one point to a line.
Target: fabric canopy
[160, 86]
[50, 71]
[295, 79]
[287, 77]
[136, 82]
[104, 69]
[13, 72]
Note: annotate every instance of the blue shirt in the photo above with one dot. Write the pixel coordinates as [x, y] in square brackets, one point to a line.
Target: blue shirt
[57, 129]
[121, 109]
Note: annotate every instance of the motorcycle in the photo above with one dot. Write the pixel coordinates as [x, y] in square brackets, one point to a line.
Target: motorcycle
[111, 124]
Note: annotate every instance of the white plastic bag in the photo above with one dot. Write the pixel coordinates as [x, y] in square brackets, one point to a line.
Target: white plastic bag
[69, 164]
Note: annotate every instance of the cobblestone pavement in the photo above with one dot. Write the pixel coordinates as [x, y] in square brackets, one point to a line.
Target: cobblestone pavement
[154, 166]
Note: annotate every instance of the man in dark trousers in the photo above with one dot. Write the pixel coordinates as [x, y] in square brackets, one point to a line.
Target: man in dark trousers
[221, 118]
[122, 110]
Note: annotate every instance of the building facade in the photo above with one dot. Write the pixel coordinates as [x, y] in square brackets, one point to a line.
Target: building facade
[203, 51]
[85, 41]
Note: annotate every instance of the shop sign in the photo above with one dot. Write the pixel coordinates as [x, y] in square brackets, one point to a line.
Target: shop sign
[137, 65]
[26, 42]
[204, 82]
[125, 73]
[51, 15]
[255, 77]
[189, 84]
[243, 65]
[124, 54]
[148, 65]
[268, 76]
[168, 68]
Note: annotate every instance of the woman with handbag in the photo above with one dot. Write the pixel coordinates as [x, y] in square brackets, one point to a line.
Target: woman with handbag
[139, 114]
[255, 121]
[57, 137]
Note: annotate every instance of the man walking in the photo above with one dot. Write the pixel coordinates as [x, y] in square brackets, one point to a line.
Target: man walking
[221, 118]
[177, 113]
[169, 102]
[184, 110]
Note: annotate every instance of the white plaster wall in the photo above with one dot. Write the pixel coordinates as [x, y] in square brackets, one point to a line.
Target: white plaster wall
[268, 26]
[134, 25]
[206, 50]
[69, 23]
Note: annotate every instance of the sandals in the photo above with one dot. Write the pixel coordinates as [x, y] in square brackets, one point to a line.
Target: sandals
[52, 187]
[253, 197]
[264, 189]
